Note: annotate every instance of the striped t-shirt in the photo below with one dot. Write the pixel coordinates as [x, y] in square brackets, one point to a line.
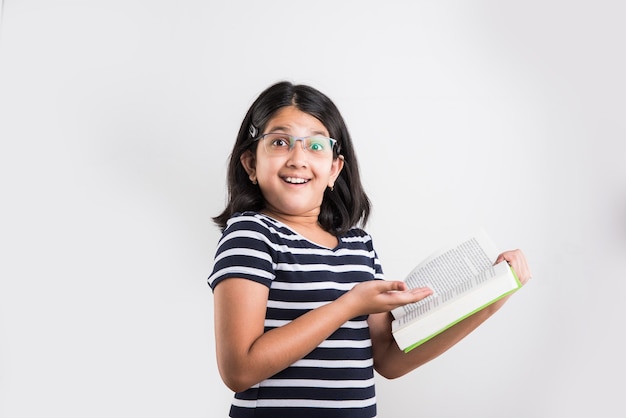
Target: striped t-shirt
[337, 378]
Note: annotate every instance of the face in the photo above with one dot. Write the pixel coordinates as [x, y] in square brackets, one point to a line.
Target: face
[292, 184]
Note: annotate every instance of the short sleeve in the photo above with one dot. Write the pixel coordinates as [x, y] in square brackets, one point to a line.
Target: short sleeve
[244, 251]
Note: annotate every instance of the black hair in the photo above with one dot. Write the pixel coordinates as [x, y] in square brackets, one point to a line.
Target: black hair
[344, 207]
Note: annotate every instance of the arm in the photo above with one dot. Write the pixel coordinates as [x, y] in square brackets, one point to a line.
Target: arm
[391, 362]
[247, 355]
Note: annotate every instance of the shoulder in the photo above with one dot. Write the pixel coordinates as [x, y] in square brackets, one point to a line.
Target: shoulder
[253, 229]
[245, 250]
[249, 224]
[357, 236]
[246, 220]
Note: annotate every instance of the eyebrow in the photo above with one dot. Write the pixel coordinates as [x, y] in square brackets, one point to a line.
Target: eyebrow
[286, 130]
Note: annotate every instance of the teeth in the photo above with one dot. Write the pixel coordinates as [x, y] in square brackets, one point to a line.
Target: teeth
[295, 180]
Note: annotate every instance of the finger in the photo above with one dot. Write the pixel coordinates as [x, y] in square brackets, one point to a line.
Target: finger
[418, 293]
[421, 291]
[396, 299]
[390, 285]
[517, 260]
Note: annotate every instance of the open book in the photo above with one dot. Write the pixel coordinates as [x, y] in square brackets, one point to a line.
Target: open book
[463, 279]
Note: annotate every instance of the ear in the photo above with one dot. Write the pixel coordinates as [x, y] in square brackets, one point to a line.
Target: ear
[335, 170]
[248, 161]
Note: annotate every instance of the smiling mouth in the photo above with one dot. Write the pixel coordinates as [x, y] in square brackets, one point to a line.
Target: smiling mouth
[295, 180]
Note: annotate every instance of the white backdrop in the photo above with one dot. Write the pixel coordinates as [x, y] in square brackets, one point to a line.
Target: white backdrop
[116, 120]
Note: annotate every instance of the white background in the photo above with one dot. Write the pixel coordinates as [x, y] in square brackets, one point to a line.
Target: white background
[116, 120]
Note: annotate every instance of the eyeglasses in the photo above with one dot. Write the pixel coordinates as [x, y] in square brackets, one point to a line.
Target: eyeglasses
[281, 144]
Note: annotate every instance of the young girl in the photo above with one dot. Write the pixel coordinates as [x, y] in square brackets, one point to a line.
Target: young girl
[301, 308]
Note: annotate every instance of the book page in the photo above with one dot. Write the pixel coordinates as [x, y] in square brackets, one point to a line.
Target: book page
[450, 272]
[429, 304]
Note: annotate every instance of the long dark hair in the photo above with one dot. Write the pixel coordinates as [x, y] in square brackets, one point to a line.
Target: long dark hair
[342, 208]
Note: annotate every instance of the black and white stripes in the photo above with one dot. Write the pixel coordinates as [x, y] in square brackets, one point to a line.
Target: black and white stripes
[337, 378]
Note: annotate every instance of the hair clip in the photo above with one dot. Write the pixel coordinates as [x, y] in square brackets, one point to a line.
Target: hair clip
[253, 131]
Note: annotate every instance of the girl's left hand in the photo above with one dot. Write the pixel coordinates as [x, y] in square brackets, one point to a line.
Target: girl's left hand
[517, 260]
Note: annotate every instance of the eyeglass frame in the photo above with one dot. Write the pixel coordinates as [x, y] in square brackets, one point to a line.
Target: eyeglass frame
[334, 144]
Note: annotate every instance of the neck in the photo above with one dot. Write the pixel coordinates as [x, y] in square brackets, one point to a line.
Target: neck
[307, 220]
[307, 226]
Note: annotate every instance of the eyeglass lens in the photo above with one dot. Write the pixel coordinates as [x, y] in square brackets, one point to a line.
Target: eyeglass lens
[278, 143]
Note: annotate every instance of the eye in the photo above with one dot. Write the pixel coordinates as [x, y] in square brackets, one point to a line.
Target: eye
[318, 144]
[278, 141]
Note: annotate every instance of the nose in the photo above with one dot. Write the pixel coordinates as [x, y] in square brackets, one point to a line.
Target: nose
[298, 154]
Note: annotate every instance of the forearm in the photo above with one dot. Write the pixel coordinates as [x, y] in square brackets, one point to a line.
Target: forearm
[391, 362]
[242, 367]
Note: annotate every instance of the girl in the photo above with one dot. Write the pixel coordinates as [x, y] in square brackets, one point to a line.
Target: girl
[301, 308]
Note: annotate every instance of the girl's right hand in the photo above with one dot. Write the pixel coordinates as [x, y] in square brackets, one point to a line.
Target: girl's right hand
[377, 296]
